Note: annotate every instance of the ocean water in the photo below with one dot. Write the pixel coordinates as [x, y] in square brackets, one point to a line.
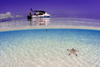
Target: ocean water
[48, 48]
[43, 42]
[80, 23]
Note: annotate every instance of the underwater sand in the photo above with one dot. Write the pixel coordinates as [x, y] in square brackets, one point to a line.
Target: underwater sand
[48, 48]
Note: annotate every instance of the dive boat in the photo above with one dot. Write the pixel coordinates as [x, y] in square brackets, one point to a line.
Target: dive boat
[40, 14]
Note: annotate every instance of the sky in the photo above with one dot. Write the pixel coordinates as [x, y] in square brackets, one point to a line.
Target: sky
[63, 8]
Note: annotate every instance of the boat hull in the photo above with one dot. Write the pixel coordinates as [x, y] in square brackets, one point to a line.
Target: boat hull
[40, 16]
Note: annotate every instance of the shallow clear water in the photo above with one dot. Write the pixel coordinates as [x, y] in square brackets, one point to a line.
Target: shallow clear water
[48, 48]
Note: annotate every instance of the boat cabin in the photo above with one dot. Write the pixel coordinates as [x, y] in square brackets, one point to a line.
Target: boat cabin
[39, 12]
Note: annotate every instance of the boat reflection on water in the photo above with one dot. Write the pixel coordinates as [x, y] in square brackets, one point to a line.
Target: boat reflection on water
[40, 21]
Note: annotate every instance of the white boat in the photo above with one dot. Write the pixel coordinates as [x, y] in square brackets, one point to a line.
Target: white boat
[40, 14]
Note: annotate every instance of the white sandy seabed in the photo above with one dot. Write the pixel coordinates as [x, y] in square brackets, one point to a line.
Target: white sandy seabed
[49, 48]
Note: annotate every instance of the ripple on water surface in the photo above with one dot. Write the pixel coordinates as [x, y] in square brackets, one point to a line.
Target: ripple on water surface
[48, 48]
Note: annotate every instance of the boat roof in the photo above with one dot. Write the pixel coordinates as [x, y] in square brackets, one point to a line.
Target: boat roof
[38, 11]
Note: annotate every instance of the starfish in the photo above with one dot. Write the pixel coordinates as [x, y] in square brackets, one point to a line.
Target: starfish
[72, 51]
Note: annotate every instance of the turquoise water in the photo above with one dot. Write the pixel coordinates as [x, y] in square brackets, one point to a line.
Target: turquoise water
[48, 48]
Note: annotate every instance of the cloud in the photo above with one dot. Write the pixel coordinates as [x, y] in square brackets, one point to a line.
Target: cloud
[6, 15]
[19, 16]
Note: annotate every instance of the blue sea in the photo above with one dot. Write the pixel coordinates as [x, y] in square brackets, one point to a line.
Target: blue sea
[40, 43]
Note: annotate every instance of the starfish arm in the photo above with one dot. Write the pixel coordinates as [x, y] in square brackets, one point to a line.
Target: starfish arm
[68, 50]
[77, 50]
[75, 54]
